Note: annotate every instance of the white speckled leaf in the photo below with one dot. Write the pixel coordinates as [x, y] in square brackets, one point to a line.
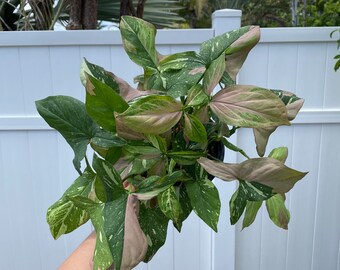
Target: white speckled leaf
[205, 201]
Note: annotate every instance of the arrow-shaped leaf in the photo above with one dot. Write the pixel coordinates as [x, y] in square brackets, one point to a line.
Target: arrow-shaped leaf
[152, 114]
[139, 41]
[249, 106]
[68, 115]
[205, 201]
[293, 106]
[267, 171]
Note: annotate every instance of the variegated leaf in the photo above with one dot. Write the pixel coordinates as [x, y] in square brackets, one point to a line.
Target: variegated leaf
[139, 41]
[180, 72]
[185, 205]
[152, 114]
[293, 106]
[197, 96]
[64, 216]
[99, 73]
[194, 129]
[169, 204]
[154, 225]
[109, 184]
[213, 48]
[266, 171]
[158, 142]
[292, 102]
[101, 103]
[182, 60]
[249, 106]
[213, 74]
[185, 157]
[237, 204]
[277, 211]
[108, 220]
[154, 185]
[205, 201]
[238, 51]
[243, 197]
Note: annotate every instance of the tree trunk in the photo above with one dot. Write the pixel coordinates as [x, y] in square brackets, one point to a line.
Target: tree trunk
[127, 8]
[83, 15]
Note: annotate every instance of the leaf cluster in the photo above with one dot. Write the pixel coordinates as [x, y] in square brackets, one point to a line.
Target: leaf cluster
[154, 147]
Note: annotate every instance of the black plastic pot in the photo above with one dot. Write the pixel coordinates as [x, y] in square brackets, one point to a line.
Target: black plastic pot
[216, 149]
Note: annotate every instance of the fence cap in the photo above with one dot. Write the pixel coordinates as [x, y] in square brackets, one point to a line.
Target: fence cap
[227, 13]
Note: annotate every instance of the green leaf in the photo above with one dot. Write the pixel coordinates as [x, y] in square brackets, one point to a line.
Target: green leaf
[139, 41]
[205, 201]
[99, 73]
[252, 208]
[237, 204]
[197, 97]
[185, 157]
[152, 79]
[152, 114]
[213, 74]
[68, 115]
[138, 159]
[158, 142]
[277, 211]
[101, 103]
[238, 51]
[255, 191]
[154, 185]
[154, 225]
[108, 220]
[280, 153]
[249, 106]
[194, 129]
[214, 47]
[106, 139]
[185, 205]
[108, 181]
[267, 171]
[169, 204]
[64, 216]
[180, 72]
[182, 60]
[233, 147]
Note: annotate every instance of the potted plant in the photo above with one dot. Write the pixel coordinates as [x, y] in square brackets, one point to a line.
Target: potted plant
[156, 147]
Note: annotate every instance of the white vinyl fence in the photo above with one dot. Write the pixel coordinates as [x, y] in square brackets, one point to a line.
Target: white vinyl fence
[36, 163]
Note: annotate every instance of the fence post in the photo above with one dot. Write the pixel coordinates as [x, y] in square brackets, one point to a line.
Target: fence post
[225, 20]
[224, 242]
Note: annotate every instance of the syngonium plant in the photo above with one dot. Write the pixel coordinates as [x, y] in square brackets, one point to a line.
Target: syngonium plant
[154, 146]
